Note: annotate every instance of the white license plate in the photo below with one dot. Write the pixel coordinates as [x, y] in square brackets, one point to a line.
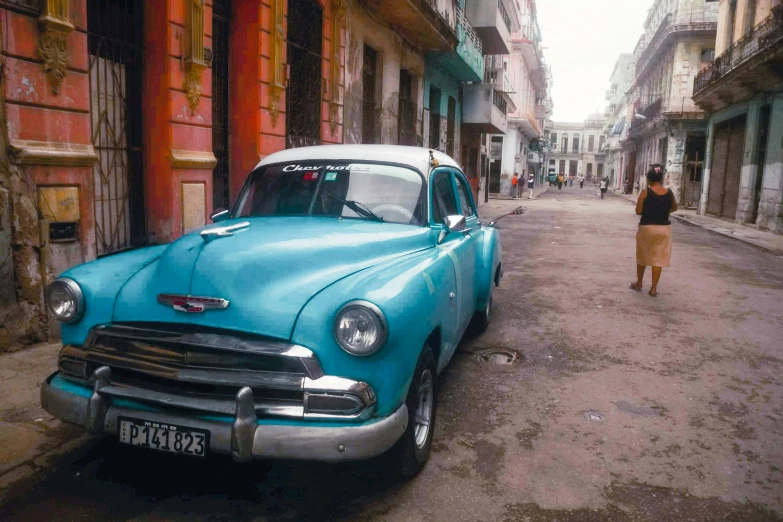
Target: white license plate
[164, 437]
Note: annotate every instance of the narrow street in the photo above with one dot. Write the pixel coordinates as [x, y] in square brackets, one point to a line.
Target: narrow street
[618, 406]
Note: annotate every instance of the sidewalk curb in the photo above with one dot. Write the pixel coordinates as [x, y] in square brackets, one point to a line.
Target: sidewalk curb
[690, 222]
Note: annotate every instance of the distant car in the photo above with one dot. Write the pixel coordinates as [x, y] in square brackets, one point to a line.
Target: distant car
[310, 323]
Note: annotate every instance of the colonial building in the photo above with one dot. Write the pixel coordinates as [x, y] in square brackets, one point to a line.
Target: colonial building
[667, 126]
[576, 147]
[742, 90]
[521, 80]
[616, 127]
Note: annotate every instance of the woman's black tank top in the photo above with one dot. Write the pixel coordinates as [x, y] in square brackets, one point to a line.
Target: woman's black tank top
[656, 209]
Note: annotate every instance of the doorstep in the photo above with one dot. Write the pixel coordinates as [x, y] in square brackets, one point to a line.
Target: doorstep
[753, 236]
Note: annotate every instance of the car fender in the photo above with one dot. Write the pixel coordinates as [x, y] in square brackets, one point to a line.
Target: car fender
[491, 253]
[415, 294]
[100, 281]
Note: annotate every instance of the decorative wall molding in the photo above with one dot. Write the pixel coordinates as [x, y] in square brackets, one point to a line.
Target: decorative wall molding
[277, 83]
[192, 159]
[53, 41]
[194, 54]
[338, 22]
[28, 152]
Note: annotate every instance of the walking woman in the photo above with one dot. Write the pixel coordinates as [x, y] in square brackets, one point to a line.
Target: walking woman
[654, 238]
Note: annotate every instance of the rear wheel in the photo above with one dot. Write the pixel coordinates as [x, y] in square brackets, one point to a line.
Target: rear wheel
[411, 452]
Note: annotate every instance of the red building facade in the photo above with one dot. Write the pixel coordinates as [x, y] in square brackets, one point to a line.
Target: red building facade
[126, 123]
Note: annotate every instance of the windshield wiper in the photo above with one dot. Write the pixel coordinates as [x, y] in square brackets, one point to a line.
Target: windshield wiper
[359, 208]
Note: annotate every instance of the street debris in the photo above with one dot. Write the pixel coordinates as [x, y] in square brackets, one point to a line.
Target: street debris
[466, 443]
[593, 415]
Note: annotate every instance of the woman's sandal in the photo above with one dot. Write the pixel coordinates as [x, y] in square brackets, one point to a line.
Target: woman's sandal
[653, 294]
[633, 286]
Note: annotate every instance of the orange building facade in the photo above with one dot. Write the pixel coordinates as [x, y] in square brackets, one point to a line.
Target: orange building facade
[116, 128]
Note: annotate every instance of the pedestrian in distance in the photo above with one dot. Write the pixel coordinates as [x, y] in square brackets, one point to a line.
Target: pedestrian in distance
[654, 237]
[560, 180]
[604, 185]
[581, 181]
[531, 182]
[514, 182]
[521, 185]
[570, 181]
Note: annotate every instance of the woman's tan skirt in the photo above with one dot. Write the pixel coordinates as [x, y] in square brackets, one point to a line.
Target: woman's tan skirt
[654, 245]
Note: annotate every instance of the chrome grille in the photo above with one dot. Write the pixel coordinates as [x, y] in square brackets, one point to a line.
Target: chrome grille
[173, 366]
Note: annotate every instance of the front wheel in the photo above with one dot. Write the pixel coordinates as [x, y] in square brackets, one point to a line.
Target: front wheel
[480, 321]
[411, 452]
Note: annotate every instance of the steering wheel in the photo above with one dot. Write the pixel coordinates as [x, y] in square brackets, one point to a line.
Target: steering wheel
[394, 212]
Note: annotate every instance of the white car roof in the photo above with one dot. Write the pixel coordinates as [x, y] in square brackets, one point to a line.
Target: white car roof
[418, 157]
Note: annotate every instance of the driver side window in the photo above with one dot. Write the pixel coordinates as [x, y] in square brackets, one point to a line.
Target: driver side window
[443, 201]
[464, 199]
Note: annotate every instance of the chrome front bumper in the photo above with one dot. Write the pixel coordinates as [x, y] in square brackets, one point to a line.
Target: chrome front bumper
[244, 438]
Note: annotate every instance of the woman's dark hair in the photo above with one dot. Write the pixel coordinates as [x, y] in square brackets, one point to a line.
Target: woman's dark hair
[655, 174]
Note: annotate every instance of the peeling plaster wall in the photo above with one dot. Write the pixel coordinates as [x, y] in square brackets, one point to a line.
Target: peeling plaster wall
[394, 54]
[449, 87]
[23, 272]
[771, 204]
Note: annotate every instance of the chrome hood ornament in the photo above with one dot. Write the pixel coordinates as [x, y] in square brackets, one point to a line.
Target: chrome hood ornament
[191, 303]
[218, 232]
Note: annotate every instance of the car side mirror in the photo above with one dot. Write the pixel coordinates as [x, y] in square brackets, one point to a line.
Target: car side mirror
[220, 214]
[452, 224]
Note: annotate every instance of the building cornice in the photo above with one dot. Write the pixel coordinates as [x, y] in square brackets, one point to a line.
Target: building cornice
[55, 154]
[662, 38]
[192, 159]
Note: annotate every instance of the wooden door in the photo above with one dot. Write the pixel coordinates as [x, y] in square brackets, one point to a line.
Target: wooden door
[734, 168]
[720, 153]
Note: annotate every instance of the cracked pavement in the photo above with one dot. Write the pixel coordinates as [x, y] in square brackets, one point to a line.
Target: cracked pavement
[619, 406]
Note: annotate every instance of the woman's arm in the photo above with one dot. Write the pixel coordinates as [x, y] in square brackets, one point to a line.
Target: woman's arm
[640, 202]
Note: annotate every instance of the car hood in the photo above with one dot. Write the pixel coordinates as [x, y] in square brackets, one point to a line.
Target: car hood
[267, 271]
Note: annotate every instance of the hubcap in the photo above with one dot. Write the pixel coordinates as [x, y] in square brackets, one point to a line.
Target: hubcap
[423, 415]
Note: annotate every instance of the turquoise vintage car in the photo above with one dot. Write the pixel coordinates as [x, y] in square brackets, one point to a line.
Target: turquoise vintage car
[310, 322]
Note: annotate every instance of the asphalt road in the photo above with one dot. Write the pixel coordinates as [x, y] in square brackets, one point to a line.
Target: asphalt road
[618, 406]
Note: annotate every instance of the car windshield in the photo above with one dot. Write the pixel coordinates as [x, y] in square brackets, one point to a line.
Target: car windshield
[369, 191]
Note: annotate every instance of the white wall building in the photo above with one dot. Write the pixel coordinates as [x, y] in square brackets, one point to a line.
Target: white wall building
[576, 147]
[618, 118]
[523, 76]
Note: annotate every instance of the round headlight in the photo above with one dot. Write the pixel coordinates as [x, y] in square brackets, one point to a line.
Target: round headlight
[65, 300]
[360, 328]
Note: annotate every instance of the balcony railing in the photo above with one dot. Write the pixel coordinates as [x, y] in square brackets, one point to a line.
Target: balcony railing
[499, 77]
[762, 37]
[530, 32]
[499, 102]
[672, 107]
[504, 15]
[694, 19]
[470, 33]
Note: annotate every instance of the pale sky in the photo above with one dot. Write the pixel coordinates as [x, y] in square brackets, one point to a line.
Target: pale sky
[583, 39]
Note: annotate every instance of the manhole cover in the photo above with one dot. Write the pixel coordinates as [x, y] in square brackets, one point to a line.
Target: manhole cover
[495, 356]
[593, 415]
